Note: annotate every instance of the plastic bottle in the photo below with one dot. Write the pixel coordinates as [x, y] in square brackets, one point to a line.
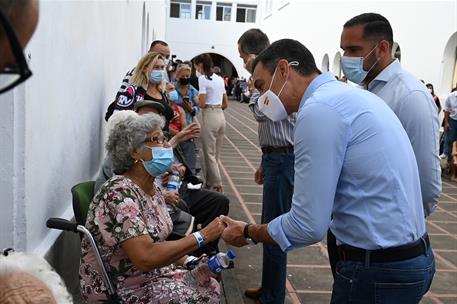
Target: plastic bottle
[173, 181]
[220, 261]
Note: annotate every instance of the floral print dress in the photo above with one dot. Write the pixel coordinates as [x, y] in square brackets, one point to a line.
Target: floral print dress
[119, 211]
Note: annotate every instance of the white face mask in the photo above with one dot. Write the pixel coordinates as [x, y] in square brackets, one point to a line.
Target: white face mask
[270, 104]
[197, 73]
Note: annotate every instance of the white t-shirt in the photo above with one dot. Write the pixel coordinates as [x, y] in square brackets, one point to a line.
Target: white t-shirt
[451, 105]
[214, 89]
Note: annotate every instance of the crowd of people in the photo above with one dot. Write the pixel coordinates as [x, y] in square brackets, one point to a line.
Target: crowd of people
[367, 179]
[151, 133]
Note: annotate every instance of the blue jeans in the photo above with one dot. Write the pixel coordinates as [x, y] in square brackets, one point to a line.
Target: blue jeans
[450, 135]
[403, 282]
[278, 187]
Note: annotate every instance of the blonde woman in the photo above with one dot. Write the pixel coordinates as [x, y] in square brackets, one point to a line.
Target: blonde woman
[147, 82]
[212, 101]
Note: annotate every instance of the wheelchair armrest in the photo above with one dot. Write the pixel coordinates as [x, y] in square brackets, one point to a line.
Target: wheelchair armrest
[61, 224]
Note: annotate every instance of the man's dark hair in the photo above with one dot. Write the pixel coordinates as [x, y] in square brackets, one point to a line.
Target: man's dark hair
[253, 41]
[155, 42]
[376, 27]
[207, 62]
[290, 50]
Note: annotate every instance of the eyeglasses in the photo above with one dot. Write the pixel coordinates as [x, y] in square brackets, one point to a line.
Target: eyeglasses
[17, 73]
[161, 139]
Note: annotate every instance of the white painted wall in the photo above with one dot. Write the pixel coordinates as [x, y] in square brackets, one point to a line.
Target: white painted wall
[51, 128]
[190, 37]
[422, 29]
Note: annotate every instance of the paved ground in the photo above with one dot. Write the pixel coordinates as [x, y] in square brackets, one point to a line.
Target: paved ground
[309, 276]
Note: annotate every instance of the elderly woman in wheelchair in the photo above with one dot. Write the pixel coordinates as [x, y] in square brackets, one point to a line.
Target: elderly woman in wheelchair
[129, 221]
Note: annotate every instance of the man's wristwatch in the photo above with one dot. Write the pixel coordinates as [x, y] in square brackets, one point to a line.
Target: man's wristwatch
[249, 240]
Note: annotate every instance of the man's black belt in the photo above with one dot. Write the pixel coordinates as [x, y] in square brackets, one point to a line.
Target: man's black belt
[393, 254]
[270, 149]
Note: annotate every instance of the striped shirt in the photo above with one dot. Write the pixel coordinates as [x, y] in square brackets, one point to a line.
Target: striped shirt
[126, 81]
[273, 134]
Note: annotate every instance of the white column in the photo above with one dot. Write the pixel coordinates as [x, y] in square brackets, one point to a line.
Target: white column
[193, 9]
[213, 10]
[233, 15]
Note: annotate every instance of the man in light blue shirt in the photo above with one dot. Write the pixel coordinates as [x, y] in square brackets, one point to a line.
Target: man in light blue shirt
[360, 168]
[368, 39]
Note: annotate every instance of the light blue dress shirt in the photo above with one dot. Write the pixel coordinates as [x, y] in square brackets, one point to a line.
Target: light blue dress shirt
[354, 160]
[416, 109]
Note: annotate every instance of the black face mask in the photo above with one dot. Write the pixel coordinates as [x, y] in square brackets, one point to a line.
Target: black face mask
[184, 81]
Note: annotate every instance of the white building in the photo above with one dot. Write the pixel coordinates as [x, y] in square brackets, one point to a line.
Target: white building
[51, 128]
[425, 33]
[196, 27]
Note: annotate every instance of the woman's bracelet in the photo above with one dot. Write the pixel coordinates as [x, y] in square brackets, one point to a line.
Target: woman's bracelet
[198, 236]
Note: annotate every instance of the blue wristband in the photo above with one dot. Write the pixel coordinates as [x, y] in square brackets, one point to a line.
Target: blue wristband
[199, 238]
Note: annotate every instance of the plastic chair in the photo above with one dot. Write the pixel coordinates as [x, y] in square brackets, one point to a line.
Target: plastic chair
[82, 196]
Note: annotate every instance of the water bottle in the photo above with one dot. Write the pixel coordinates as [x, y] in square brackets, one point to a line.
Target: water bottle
[173, 182]
[220, 261]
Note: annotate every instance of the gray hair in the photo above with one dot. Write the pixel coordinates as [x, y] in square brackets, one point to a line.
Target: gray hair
[127, 135]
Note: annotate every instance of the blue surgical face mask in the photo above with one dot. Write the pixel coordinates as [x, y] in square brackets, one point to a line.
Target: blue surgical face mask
[156, 76]
[162, 159]
[173, 95]
[166, 61]
[353, 67]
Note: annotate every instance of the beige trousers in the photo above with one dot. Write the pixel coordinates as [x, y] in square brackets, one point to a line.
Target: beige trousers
[212, 136]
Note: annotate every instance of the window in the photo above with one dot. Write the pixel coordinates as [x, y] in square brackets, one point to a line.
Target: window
[246, 13]
[223, 11]
[203, 10]
[180, 9]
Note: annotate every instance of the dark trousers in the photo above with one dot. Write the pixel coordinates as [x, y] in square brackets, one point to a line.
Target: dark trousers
[401, 282]
[332, 250]
[450, 135]
[188, 150]
[278, 188]
[205, 206]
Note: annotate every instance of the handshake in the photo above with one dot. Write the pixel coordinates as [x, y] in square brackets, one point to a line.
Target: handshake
[231, 231]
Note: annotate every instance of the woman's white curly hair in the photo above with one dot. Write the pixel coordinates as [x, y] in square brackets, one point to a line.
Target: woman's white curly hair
[19, 262]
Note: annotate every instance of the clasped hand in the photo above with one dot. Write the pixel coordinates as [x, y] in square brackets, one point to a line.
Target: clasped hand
[229, 229]
[233, 233]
